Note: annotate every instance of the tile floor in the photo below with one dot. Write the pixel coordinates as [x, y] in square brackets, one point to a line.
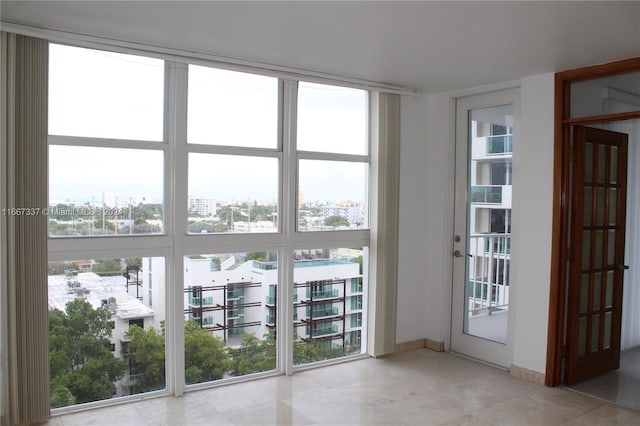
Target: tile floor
[621, 386]
[413, 388]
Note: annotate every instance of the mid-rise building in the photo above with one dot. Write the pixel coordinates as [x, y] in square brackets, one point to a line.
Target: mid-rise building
[490, 215]
[230, 295]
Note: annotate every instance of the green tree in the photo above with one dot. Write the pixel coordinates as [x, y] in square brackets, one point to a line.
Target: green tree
[80, 358]
[106, 268]
[253, 355]
[205, 357]
[134, 261]
[307, 352]
[58, 268]
[261, 256]
[336, 221]
[143, 228]
[147, 358]
[60, 396]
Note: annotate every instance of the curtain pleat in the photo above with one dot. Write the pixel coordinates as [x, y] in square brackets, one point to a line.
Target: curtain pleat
[384, 227]
[25, 82]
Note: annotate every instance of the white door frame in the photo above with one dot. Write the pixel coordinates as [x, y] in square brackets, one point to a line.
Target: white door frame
[500, 354]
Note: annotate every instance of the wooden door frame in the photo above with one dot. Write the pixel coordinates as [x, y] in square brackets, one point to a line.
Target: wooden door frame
[561, 155]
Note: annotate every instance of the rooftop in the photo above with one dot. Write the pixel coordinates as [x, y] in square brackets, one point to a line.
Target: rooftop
[95, 289]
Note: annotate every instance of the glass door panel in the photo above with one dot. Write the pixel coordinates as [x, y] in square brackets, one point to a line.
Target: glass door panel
[597, 231]
[482, 240]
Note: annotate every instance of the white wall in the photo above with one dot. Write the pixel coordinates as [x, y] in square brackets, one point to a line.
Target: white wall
[532, 217]
[426, 211]
[426, 171]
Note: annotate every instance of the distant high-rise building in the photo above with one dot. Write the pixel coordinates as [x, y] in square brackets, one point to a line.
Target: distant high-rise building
[202, 206]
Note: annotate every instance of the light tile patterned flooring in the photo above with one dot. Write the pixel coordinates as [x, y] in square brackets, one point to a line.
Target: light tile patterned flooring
[420, 387]
[620, 386]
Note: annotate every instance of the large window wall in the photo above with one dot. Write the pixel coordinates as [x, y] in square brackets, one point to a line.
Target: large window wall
[204, 224]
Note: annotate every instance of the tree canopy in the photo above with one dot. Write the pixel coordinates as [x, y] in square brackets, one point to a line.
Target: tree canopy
[253, 355]
[205, 355]
[80, 357]
[146, 359]
[336, 221]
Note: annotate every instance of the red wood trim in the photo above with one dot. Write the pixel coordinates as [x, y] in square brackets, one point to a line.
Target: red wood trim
[602, 118]
[556, 296]
[553, 374]
[602, 70]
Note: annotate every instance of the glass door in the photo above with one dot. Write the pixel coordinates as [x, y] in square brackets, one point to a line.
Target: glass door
[485, 133]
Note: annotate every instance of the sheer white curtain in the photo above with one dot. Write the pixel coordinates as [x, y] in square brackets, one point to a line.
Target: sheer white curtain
[631, 290]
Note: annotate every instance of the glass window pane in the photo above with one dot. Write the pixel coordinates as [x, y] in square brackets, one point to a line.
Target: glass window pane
[232, 108]
[586, 250]
[231, 193]
[599, 246]
[332, 195]
[608, 325]
[600, 207]
[105, 191]
[597, 290]
[332, 119]
[602, 163]
[588, 162]
[613, 171]
[101, 94]
[609, 291]
[595, 333]
[611, 248]
[584, 293]
[582, 336]
[588, 205]
[489, 177]
[116, 308]
[613, 204]
[230, 303]
[328, 310]
[604, 95]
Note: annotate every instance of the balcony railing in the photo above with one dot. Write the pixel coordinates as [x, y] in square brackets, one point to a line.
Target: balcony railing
[325, 330]
[324, 312]
[500, 144]
[325, 294]
[489, 194]
[488, 272]
[195, 301]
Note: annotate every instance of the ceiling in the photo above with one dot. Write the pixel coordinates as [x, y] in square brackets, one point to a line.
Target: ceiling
[433, 46]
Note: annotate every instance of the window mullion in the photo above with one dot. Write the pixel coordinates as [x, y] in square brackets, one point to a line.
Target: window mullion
[176, 211]
[288, 201]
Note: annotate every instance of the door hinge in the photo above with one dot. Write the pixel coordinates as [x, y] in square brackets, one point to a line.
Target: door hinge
[572, 153]
[570, 254]
[565, 351]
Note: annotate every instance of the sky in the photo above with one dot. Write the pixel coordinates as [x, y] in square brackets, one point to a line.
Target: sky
[116, 96]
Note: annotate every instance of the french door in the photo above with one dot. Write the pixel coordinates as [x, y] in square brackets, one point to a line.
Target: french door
[596, 260]
[485, 132]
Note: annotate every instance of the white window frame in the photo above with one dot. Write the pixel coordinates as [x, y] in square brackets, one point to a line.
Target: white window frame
[174, 244]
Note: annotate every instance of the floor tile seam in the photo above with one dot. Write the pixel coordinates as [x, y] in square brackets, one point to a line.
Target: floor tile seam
[605, 404]
[604, 400]
[533, 403]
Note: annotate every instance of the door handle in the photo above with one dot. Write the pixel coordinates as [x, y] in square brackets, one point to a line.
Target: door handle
[623, 267]
[457, 253]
